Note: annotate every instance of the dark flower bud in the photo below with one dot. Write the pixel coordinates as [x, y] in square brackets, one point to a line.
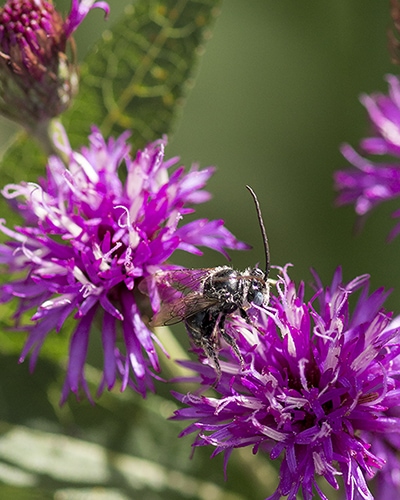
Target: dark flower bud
[393, 33]
[37, 79]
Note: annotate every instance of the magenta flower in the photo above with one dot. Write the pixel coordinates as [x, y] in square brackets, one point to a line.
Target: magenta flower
[386, 446]
[319, 387]
[88, 240]
[37, 81]
[369, 183]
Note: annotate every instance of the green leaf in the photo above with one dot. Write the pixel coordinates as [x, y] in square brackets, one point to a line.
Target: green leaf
[23, 160]
[134, 78]
[127, 447]
[137, 74]
[73, 468]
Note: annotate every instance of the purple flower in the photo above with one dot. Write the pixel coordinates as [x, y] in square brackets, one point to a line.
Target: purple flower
[319, 387]
[37, 81]
[369, 183]
[89, 239]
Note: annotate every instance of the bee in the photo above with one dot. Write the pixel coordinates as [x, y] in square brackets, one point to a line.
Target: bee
[204, 298]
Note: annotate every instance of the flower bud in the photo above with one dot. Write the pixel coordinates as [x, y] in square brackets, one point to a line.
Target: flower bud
[37, 81]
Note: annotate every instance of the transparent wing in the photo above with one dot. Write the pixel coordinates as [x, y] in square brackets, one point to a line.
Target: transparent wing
[180, 294]
[184, 280]
[181, 308]
[180, 280]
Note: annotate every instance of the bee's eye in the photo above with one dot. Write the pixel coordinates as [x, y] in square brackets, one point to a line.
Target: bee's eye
[256, 297]
[255, 294]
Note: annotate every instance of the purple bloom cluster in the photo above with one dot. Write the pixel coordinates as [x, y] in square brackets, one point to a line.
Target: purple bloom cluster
[37, 81]
[26, 23]
[89, 239]
[369, 183]
[319, 387]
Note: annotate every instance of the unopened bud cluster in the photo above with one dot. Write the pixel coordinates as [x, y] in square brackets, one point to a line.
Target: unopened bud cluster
[37, 81]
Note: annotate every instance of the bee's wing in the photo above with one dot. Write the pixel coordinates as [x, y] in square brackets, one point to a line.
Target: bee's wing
[178, 294]
[180, 280]
[183, 280]
[181, 308]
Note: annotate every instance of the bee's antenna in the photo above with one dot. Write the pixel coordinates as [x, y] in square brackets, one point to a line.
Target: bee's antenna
[263, 231]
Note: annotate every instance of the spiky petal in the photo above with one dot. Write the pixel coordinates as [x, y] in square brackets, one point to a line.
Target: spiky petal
[316, 389]
[368, 182]
[89, 239]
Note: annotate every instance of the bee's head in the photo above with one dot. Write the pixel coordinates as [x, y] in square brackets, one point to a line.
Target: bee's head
[258, 289]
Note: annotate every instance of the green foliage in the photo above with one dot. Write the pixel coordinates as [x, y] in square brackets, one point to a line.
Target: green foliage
[136, 76]
[122, 448]
[22, 161]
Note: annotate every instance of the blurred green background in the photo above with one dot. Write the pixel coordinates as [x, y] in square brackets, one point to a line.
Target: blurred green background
[275, 95]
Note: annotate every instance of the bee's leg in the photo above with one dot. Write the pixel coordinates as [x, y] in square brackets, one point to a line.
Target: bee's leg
[201, 328]
[212, 353]
[229, 340]
[246, 317]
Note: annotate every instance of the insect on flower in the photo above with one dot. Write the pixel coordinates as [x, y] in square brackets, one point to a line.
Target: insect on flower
[204, 298]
